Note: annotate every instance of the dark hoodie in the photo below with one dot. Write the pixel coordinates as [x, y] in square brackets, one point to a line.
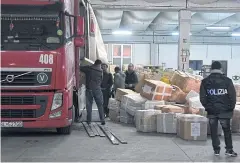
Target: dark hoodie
[94, 76]
[218, 95]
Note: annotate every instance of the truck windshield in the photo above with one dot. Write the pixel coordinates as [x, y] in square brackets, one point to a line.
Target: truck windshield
[31, 27]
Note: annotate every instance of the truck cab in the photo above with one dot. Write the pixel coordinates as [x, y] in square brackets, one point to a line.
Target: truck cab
[43, 44]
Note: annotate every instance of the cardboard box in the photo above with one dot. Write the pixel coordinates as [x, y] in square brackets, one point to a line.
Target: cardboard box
[146, 120]
[178, 95]
[169, 109]
[122, 92]
[132, 102]
[167, 123]
[149, 105]
[114, 110]
[125, 117]
[192, 127]
[185, 82]
[156, 90]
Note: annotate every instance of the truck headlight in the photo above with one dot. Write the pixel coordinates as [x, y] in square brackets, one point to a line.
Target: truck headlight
[57, 101]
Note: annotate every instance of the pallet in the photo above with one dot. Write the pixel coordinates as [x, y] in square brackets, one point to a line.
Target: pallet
[119, 138]
[88, 129]
[109, 135]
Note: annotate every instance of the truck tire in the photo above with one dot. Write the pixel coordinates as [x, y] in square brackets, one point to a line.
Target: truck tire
[67, 130]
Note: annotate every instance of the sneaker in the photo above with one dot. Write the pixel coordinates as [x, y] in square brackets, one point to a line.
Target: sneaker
[103, 123]
[231, 153]
[217, 152]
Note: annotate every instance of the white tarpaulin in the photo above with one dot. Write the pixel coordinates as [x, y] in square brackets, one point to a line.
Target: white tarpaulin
[97, 47]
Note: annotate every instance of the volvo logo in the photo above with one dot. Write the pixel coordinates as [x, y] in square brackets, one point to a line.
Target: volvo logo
[42, 78]
[10, 78]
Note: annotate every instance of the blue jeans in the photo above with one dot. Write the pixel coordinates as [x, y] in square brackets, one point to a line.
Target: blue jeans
[98, 97]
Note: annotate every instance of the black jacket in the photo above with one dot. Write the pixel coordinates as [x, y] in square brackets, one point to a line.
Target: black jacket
[131, 78]
[218, 95]
[107, 81]
[94, 76]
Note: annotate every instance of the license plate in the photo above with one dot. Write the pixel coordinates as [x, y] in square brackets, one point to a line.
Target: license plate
[12, 124]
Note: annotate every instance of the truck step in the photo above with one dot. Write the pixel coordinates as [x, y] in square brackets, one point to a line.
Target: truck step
[88, 129]
[109, 135]
[100, 132]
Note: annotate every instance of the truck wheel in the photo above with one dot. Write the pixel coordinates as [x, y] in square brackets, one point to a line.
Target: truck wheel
[67, 130]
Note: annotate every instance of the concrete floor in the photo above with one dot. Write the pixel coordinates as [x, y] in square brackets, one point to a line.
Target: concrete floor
[47, 146]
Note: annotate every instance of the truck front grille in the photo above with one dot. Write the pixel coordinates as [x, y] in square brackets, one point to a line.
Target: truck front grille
[18, 113]
[20, 78]
[18, 100]
[25, 78]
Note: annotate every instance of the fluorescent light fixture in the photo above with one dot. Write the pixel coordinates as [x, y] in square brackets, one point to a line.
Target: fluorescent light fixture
[236, 34]
[121, 32]
[217, 28]
[176, 34]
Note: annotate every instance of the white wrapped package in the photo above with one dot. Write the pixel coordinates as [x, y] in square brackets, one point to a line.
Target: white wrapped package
[191, 94]
[126, 117]
[114, 110]
[167, 123]
[149, 105]
[194, 102]
[132, 102]
[146, 120]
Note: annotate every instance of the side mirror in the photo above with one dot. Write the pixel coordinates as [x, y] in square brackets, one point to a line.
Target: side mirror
[80, 26]
[79, 41]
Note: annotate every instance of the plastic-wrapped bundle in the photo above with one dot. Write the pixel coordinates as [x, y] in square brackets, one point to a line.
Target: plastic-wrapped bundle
[132, 102]
[125, 117]
[167, 123]
[148, 105]
[195, 106]
[114, 110]
[122, 92]
[146, 120]
[192, 127]
[237, 88]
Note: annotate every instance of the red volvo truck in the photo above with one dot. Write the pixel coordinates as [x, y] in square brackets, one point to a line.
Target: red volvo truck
[43, 43]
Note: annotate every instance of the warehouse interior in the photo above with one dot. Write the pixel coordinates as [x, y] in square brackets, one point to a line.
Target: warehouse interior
[159, 118]
[152, 31]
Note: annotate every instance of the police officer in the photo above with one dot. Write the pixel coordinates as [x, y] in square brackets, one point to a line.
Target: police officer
[218, 96]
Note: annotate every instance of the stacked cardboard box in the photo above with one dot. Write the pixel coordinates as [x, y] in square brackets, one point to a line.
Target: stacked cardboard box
[122, 92]
[192, 127]
[114, 109]
[186, 82]
[132, 102]
[170, 109]
[167, 123]
[178, 95]
[156, 90]
[151, 104]
[146, 120]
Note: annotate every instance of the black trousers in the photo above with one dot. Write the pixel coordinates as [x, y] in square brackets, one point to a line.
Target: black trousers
[226, 126]
[106, 96]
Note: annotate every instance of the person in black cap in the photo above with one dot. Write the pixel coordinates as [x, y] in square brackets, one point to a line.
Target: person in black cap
[94, 76]
[218, 96]
[106, 88]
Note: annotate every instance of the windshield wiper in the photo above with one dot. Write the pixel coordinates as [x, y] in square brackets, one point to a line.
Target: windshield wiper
[39, 42]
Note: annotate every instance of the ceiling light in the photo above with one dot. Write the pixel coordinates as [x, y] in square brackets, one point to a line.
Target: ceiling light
[121, 32]
[176, 34]
[217, 28]
[235, 34]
